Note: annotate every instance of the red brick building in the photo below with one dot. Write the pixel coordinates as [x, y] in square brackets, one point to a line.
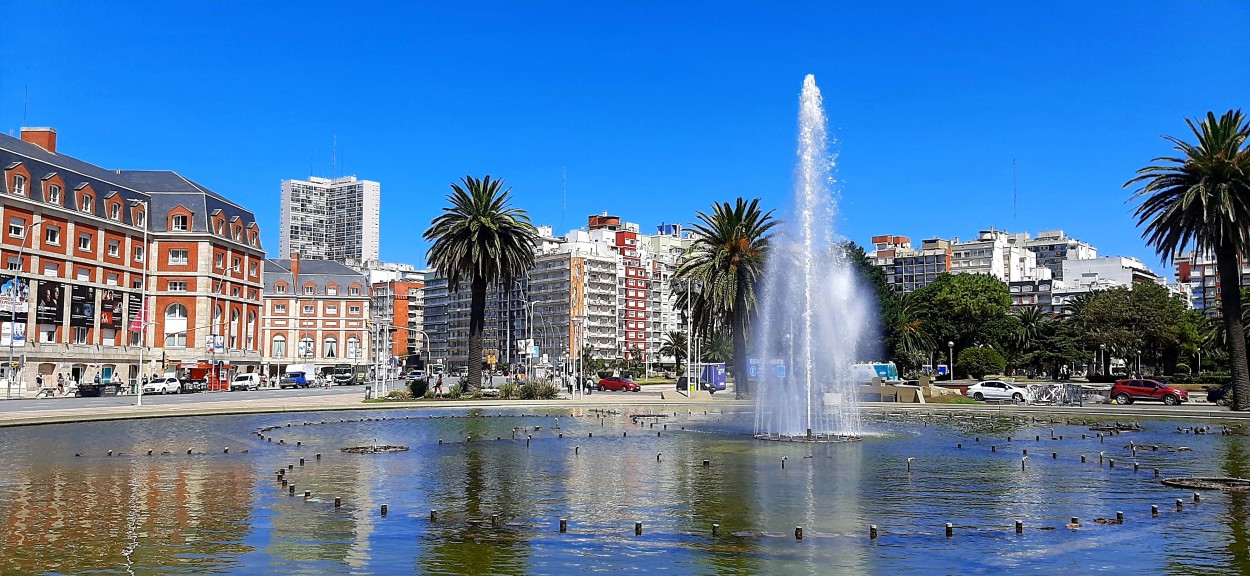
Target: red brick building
[73, 245]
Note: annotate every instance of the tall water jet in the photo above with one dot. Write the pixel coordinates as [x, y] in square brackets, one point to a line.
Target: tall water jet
[812, 310]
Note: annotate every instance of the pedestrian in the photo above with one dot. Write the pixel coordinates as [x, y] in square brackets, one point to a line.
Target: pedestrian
[97, 379]
[39, 381]
[438, 385]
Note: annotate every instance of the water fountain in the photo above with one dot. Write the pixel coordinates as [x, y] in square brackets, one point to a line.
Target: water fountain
[812, 310]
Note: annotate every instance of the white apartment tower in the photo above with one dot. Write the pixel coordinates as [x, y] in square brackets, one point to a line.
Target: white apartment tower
[330, 219]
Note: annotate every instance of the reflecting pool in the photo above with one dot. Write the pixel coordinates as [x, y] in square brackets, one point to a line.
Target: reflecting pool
[501, 481]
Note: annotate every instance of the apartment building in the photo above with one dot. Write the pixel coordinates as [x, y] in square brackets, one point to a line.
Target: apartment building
[316, 312]
[1053, 248]
[330, 219]
[1197, 270]
[908, 269]
[78, 243]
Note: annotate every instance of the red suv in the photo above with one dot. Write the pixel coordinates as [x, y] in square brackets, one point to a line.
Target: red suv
[1129, 391]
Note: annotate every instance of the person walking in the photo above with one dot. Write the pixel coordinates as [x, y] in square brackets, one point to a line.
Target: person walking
[438, 386]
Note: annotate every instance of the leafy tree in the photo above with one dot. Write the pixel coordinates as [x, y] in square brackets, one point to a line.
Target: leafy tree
[724, 265]
[909, 332]
[480, 240]
[674, 345]
[957, 306]
[1057, 343]
[977, 362]
[717, 347]
[1202, 199]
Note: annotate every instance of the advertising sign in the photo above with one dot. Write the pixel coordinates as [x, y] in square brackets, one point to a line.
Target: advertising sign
[110, 308]
[50, 306]
[214, 344]
[82, 310]
[13, 334]
[134, 312]
[14, 296]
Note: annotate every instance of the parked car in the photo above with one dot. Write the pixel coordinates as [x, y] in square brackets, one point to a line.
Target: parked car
[249, 381]
[617, 384]
[1129, 391]
[998, 390]
[294, 380]
[163, 385]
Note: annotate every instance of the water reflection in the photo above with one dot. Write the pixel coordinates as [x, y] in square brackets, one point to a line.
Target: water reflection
[210, 511]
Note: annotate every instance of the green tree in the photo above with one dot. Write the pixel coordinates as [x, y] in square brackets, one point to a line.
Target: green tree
[724, 265]
[480, 240]
[957, 306]
[1201, 199]
[674, 346]
[909, 332]
[977, 362]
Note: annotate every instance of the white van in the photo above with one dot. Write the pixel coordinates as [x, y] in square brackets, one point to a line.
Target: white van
[249, 381]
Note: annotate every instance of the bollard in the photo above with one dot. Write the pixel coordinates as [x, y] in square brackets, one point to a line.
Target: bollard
[1136, 466]
[292, 490]
[1054, 455]
[564, 525]
[494, 520]
[872, 531]
[307, 494]
[1082, 458]
[1111, 462]
[798, 532]
[590, 435]
[909, 464]
[950, 530]
[284, 482]
[783, 462]
[978, 438]
[715, 530]
[1019, 527]
[625, 434]
[993, 448]
[707, 463]
[1119, 517]
[657, 456]
[299, 443]
[960, 446]
[290, 466]
[576, 450]
[338, 502]
[111, 452]
[1009, 438]
[1100, 457]
[440, 440]
[637, 528]
[433, 515]
[1022, 461]
[1154, 511]
[1156, 472]
[384, 509]
[1038, 438]
[1179, 505]
[226, 451]
[1026, 452]
[318, 456]
[301, 461]
[1197, 498]
[1076, 521]
[1100, 438]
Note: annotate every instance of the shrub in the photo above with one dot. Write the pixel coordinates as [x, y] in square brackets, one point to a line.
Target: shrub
[1182, 368]
[453, 391]
[418, 388]
[510, 390]
[977, 362]
[399, 395]
[539, 391]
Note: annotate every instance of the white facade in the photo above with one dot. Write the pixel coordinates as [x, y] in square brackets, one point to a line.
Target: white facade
[1118, 270]
[999, 254]
[1053, 248]
[330, 219]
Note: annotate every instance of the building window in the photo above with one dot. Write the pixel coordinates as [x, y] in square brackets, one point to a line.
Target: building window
[332, 291]
[114, 248]
[251, 269]
[88, 202]
[84, 242]
[140, 218]
[52, 235]
[354, 310]
[354, 291]
[219, 260]
[138, 253]
[353, 347]
[178, 257]
[279, 346]
[330, 347]
[19, 184]
[308, 308]
[234, 292]
[54, 194]
[115, 211]
[17, 228]
[280, 288]
[234, 265]
[179, 223]
[176, 340]
[332, 309]
[79, 335]
[310, 290]
[279, 308]
[306, 347]
[177, 286]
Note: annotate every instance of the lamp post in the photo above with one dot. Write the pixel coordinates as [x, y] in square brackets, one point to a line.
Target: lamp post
[1102, 356]
[143, 298]
[951, 344]
[1139, 363]
[11, 369]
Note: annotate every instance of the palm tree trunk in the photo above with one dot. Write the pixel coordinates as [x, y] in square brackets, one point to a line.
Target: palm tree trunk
[742, 389]
[477, 324]
[1228, 262]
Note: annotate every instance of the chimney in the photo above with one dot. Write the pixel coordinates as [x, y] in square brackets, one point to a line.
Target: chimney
[42, 137]
[295, 271]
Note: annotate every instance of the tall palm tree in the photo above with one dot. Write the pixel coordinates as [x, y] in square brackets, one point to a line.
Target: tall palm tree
[480, 240]
[1202, 199]
[724, 266]
[1031, 319]
[911, 336]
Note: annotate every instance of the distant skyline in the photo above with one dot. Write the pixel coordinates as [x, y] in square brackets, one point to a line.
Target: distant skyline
[655, 110]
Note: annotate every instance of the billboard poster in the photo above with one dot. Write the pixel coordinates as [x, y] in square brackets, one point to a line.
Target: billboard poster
[13, 334]
[110, 308]
[82, 310]
[49, 304]
[134, 307]
[14, 296]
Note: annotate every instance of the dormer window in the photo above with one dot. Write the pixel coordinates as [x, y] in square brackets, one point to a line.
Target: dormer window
[221, 227]
[309, 290]
[54, 194]
[19, 184]
[141, 219]
[280, 288]
[179, 223]
[87, 202]
[115, 212]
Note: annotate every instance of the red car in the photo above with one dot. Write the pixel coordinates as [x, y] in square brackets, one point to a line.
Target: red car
[617, 384]
[1129, 391]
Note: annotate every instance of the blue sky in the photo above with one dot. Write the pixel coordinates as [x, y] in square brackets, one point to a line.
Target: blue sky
[654, 109]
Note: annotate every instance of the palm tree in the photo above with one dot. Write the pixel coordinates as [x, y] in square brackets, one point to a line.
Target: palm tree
[726, 262]
[1031, 319]
[1202, 199]
[912, 338]
[674, 345]
[480, 240]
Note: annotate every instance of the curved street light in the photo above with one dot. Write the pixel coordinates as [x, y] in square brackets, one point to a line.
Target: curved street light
[21, 267]
[951, 344]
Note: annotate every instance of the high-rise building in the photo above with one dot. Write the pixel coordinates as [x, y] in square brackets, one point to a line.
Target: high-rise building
[1053, 248]
[1198, 270]
[330, 219]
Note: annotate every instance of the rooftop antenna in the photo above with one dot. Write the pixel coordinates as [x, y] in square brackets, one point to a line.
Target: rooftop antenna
[564, 195]
[334, 152]
[1013, 193]
[25, 104]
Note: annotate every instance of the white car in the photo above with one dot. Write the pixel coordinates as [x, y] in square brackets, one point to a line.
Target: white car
[163, 385]
[999, 390]
[249, 381]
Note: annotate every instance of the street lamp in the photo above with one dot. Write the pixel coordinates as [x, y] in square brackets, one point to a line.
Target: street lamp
[1139, 363]
[143, 299]
[1102, 356]
[951, 344]
[11, 369]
